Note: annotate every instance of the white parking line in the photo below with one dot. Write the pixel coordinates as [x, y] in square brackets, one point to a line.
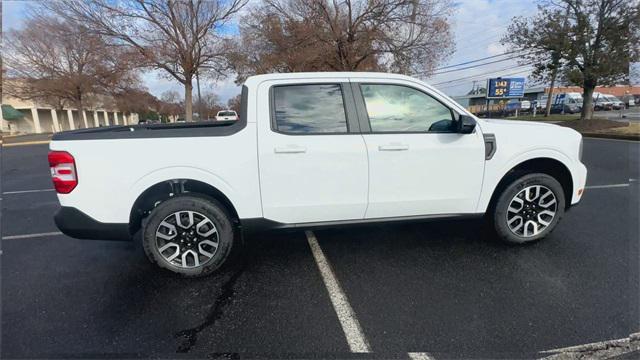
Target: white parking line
[350, 325]
[26, 191]
[607, 186]
[420, 356]
[27, 236]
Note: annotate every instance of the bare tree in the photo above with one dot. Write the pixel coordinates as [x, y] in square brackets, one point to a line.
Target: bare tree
[602, 38]
[136, 101]
[406, 36]
[58, 63]
[234, 103]
[209, 105]
[542, 41]
[171, 104]
[177, 37]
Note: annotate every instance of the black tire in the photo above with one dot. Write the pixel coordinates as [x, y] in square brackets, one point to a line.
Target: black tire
[499, 210]
[210, 208]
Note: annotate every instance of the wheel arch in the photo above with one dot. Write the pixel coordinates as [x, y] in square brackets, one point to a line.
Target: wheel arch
[545, 165]
[164, 190]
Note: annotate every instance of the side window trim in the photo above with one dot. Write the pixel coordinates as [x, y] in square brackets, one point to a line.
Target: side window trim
[351, 116]
[364, 114]
[361, 108]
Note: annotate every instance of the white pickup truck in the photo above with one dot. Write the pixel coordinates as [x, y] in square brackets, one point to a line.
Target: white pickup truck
[312, 150]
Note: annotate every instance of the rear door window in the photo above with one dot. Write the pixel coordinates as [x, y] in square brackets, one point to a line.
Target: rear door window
[309, 109]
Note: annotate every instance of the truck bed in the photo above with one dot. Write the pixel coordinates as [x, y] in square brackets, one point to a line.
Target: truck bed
[193, 129]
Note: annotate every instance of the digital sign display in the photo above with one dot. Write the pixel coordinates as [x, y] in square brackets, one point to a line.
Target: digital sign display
[501, 88]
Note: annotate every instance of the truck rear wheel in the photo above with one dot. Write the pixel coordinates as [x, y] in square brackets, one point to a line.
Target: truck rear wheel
[189, 235]
[528, 209]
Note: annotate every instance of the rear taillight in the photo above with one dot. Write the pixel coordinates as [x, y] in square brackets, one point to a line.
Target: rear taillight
[63, 171]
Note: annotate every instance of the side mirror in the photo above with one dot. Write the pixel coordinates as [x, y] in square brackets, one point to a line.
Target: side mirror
[466, 124]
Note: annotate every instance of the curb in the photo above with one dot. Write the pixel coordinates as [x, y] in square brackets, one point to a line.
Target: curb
[612, 136]
[41, 142]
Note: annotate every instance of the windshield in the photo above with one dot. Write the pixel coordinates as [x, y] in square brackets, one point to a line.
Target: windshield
[227, 113]
[611, 98]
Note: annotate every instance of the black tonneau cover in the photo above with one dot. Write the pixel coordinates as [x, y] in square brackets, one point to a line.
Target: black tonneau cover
[144, 131]
[192, 129]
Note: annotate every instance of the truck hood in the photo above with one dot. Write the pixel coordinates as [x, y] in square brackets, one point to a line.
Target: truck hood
[532, 135]
[516, 123]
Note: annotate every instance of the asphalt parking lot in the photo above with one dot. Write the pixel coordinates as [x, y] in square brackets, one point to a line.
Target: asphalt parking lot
[442, 288]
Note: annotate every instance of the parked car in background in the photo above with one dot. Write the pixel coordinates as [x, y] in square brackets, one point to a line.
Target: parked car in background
[570, 103]
[600, 102]
[616, 104]
[514, 104]
[629, 100]
[312, 150]
[224, 115]
[565, 109]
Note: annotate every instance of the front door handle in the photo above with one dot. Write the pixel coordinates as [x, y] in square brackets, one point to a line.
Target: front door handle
[290, 150]
[394, 147]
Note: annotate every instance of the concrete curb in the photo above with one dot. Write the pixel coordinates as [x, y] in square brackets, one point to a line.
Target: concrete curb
[599, 350]
[612, 136]
[26, 143]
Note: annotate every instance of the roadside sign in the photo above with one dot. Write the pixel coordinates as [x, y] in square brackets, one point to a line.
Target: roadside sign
[502, 88]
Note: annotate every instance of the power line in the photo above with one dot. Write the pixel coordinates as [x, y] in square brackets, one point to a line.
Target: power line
[462, 82]
[482, 74]
[476, 60]
[477, 65]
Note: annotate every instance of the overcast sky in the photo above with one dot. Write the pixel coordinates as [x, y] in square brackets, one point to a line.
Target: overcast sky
[478, 26]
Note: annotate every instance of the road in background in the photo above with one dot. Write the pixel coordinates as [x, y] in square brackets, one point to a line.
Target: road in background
[443, 288]
[632, 114]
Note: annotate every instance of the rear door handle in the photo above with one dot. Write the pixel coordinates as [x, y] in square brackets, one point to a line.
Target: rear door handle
[290, 150]
[395, 147]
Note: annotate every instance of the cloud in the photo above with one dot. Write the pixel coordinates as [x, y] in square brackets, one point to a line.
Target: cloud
[478, 26]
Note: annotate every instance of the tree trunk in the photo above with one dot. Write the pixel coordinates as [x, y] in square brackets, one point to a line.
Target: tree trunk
[550, 95]
[587, 100]
[188, 103]
[199, 97]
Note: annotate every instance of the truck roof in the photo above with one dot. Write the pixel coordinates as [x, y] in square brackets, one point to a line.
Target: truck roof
[256, 79]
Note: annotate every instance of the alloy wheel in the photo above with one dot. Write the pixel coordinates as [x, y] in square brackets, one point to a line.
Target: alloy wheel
[187, 239]
[531, 211]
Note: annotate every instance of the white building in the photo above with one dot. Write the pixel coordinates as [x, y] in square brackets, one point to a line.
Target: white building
[39, 118]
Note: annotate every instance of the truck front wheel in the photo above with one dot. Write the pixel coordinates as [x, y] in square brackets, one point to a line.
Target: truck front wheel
[188, 235]
[528, 209]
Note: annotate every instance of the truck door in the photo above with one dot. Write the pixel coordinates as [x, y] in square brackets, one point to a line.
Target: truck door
[418, 163]
[313, 160]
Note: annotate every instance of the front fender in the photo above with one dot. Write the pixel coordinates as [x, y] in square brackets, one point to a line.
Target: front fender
[495, 171]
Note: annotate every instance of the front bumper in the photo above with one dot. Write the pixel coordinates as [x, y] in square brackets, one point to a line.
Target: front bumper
[75, 223]
[579, 175]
